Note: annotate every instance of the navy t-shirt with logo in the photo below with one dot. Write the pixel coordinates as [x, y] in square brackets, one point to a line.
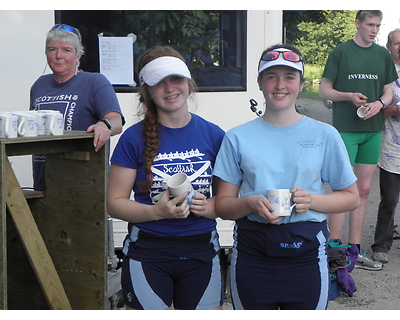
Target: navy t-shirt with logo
[83, 100]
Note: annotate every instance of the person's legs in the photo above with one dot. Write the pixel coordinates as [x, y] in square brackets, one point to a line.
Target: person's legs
[363, 150]
[365, 166]
[197, 285]
[266, 275]
[390, 189]
[365, 174]
[336, 222]
[145, 289]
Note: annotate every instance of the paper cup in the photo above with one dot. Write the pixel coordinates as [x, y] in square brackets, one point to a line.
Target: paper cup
[361, 112]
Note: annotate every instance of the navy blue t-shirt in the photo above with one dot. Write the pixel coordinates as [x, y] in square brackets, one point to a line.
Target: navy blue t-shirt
[192, 150]
[83, 100]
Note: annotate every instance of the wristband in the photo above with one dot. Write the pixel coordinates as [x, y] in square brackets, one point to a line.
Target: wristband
[398, 107]
[107, 123]
[383, 103]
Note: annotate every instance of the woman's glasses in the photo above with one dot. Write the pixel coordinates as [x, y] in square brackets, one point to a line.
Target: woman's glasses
[287, 55]
[66, 28]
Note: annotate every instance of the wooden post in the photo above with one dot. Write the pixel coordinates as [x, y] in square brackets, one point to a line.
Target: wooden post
[34, 244]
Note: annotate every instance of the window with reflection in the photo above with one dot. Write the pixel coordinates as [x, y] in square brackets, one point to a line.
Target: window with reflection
[213, 42]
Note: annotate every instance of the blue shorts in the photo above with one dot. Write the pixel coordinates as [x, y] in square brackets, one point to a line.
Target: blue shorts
[160, 281]
[280, 266]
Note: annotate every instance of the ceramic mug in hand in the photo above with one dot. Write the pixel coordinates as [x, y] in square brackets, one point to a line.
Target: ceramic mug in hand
[280, 202]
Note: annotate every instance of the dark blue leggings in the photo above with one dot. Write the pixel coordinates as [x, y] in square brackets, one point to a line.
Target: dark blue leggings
[183, 284]
[291, 273]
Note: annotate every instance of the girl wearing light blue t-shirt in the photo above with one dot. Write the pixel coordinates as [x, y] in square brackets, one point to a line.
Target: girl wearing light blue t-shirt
[281, 262]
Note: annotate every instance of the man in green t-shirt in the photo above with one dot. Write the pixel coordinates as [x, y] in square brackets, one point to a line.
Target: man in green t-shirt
[359, 73]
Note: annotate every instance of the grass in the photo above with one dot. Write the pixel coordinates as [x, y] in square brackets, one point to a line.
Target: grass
[313, 76]
[310, 91]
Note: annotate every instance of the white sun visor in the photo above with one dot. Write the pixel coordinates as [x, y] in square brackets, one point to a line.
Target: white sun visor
[157, 69]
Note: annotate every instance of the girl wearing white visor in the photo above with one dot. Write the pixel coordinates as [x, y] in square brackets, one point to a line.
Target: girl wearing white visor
[280, 262]
[171, 250]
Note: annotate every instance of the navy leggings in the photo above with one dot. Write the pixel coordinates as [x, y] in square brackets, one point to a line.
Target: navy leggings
[278, 268]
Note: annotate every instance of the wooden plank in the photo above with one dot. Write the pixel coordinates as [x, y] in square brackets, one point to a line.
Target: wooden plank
[75, 155]
[70, 141]
[3, 233]
[74, 225]
[32, 194]
[34, 244]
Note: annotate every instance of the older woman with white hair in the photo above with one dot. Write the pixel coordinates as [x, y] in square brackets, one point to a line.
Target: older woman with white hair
[87, 100]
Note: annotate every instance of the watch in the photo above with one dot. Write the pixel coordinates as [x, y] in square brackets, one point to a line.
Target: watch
[107, 123]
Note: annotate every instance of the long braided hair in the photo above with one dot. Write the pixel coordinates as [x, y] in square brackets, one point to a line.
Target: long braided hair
[149, 109]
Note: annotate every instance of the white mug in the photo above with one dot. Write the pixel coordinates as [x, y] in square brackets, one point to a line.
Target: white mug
[280, 202]
[361, 112]
[41, 124]
[179, 183]
[54, 123]
[48, 111]
[8, 125]
[27, 124]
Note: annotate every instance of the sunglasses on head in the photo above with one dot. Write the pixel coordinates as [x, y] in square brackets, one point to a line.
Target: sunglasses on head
[66, 28]
[287, 55]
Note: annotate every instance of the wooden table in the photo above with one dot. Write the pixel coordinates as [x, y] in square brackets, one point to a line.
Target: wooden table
[53, 246]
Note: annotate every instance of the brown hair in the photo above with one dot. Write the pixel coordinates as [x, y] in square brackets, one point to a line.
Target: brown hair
[149, 109]
[362, 14]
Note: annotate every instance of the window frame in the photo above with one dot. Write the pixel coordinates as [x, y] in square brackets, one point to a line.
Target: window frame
[61, 16]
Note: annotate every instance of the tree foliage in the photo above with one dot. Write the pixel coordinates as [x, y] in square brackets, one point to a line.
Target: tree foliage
[190, 30]
[316, 38]
[292, 18]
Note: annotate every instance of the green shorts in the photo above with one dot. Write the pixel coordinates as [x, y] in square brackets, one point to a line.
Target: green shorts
[362, 147]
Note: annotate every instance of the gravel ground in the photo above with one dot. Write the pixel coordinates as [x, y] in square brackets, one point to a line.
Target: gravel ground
[376, 290]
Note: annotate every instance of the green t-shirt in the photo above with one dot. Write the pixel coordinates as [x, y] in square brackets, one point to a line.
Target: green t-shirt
[352, 68]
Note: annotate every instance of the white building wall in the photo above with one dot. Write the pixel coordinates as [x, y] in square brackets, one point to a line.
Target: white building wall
[22, 61]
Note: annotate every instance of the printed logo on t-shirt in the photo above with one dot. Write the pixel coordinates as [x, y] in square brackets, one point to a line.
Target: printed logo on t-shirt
[65, 103]
[360, 76]
[190, 162]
